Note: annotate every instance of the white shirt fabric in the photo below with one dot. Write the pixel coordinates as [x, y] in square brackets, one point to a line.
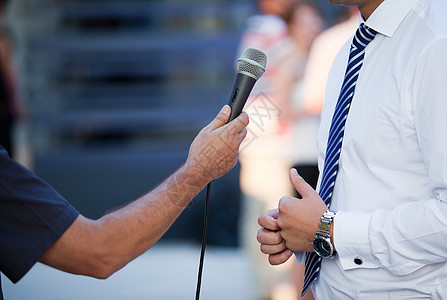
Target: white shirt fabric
[391, 189]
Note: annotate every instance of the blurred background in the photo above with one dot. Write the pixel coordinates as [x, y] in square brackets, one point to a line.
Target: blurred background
[107, 97]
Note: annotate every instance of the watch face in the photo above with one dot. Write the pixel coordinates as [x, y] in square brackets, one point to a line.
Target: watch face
[323, 247]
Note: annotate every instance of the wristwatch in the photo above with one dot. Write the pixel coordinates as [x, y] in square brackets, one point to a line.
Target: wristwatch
[322, 242]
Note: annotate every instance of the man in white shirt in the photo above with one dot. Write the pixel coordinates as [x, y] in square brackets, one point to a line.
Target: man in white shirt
[390, 193]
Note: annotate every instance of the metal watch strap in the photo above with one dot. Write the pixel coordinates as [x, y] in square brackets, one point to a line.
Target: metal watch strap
[325, 224]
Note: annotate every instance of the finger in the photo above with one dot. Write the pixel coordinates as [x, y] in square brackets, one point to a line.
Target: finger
[221, 118]
[285, 204]
[238, 124]
[280, 258]
[302, 187]
[241, 136]
[269, 237]
[273, 249]
[274, 213]
[268, 220]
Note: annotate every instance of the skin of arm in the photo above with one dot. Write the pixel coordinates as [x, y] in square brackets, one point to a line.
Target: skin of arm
[98, 248]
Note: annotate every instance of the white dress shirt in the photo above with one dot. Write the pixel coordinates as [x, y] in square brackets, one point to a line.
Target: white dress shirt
[390, 231]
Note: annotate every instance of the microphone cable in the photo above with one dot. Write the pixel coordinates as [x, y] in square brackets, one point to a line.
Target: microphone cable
[204, 238]
[250, 66]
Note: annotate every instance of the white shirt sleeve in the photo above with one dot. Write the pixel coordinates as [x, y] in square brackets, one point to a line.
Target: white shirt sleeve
[411, 235]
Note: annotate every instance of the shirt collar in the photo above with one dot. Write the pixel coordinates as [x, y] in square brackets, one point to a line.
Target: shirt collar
[389, 15]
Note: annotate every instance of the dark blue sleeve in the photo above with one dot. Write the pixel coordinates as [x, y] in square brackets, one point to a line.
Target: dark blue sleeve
[32, 217]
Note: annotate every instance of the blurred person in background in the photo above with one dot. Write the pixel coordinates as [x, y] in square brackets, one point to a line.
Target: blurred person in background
[38, 224]
[267, 31]
[322, 54]
[11, 105]
[266, 153]
[305, 22]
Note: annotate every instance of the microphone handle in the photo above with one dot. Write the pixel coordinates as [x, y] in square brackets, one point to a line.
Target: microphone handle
[241, 90]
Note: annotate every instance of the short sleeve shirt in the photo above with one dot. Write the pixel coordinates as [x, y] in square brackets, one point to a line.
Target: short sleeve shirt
[32, 218]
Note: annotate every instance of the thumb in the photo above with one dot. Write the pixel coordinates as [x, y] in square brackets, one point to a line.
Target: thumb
[221, 118]
[302, 187]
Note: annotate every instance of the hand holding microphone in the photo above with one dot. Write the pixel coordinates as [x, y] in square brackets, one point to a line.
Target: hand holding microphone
[98, 248]
[215, 149]
[221, 140]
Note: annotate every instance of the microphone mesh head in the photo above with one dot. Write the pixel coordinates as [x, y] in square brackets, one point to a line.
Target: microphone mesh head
[252, 63]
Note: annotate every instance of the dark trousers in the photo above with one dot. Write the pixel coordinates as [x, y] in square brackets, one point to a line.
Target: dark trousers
[309, 173]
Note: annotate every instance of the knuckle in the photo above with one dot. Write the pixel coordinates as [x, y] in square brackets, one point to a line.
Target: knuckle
[203, 131]
[242, 121]
[283, 203]
[277, 238]
[243, 134]
[300, 180]
[259, 235]
[245, 119]
[221, 116]
[261, 220]
[280, 223]
[264, 249]
[274, 259]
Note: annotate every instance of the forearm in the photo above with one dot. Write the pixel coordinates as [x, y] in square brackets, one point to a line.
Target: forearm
[99, 248]
[135, 228]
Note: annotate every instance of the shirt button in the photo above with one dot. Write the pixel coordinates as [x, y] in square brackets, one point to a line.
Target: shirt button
[358, 260]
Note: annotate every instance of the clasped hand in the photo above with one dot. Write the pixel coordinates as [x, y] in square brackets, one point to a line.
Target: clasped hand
[292, 226]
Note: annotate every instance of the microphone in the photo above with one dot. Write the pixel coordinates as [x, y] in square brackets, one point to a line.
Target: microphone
[250, 67]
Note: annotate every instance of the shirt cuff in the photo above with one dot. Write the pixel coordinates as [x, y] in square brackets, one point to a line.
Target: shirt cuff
[351, 240]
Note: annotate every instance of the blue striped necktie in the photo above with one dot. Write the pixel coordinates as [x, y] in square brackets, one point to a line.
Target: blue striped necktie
[362, 37]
